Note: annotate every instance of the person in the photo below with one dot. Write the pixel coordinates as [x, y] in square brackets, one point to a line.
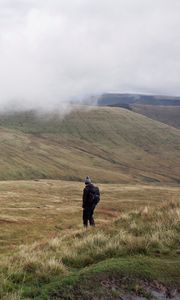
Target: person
[91, 196]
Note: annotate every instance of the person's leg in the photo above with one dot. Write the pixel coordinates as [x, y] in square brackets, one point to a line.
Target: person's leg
[88, 215]
[85, 217]
[91, 219]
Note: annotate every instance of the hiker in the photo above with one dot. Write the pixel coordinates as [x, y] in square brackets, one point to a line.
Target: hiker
[91, 197]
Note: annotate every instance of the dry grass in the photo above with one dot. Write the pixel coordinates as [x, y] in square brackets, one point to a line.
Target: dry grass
[40, 210]
[131, 220]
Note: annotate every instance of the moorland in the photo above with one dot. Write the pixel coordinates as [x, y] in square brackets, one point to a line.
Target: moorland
[133, 250]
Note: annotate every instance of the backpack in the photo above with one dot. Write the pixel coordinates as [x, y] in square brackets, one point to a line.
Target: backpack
[94, 195]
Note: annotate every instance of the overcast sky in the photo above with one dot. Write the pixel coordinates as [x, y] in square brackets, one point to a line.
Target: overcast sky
[54, 50]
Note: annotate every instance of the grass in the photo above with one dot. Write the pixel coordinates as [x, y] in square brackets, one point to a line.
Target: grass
[43, 209]
[111, 144]
[46, 254]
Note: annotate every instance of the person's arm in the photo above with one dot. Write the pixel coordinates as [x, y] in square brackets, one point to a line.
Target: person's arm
[84, 197]
[99, 193]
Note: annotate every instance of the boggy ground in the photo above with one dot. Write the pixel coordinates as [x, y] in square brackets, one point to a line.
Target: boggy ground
[46, 254]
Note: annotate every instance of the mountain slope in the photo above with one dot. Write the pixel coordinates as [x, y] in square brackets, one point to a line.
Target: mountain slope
[167, 114]
[109, 144]
[164, 109]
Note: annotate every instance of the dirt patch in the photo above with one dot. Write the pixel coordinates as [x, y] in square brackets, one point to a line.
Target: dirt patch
[138, 290]
[120, 289]
[3, 221]
[14, 221]
[108, 212]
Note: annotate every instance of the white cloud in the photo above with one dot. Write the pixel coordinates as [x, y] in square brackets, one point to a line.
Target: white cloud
[52, 51]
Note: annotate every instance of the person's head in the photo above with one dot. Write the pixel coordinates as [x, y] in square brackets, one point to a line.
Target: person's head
[87, 180]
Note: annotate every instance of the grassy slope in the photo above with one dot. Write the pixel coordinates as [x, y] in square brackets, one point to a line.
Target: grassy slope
[167, 114]
[109, 144]
[137, 236]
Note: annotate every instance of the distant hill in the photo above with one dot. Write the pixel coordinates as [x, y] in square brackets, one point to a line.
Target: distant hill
[165, 109]
[167, 114]
[109, 144]
[131, 99]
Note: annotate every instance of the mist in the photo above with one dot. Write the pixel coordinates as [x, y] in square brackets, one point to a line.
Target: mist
[53, 53]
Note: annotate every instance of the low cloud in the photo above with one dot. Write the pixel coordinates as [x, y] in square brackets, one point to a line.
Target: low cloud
[52, 52]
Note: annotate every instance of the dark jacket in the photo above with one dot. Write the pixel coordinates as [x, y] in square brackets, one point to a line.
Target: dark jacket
[87, 196]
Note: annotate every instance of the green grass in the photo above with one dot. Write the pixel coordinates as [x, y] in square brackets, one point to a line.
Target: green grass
[98, 280]
[110, 144]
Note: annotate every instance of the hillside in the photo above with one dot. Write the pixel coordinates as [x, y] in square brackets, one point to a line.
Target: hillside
[167, 114]
[109, 144]
[165, 109]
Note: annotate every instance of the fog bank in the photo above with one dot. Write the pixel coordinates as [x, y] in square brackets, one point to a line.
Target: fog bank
[59, 51]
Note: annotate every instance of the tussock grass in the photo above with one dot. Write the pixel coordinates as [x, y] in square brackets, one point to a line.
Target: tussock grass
[133, 233]
[12, 297]
[147, 231]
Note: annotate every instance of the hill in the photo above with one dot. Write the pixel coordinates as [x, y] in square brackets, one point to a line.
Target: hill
[109, 144]
[167, 114]
[164, 109]
[116, 99]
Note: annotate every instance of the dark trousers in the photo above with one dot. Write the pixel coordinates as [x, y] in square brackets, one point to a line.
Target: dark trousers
[88, 216]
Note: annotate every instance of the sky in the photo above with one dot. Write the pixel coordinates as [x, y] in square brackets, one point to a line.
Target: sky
[55, 51]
